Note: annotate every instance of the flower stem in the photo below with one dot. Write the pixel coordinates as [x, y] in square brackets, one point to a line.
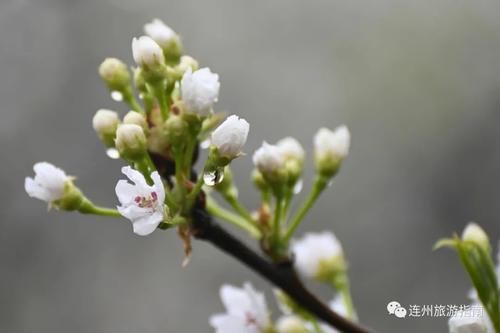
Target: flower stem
[276, 233]
[130, 99]
[226, 215]
[87, 207]
[237, 206]
[319, 185]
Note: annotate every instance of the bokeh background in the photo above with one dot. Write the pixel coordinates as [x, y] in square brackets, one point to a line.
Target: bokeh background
[418, 83]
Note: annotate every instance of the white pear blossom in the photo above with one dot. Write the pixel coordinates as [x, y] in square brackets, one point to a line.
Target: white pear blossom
[246, 311]
[48, 184]
[141, 203]
[200, 90]
[146, 52]
[314, 251]
[159, 32]
[268, 159]
[330, 149]
[463, 323]
[230, 136]
[290, 148]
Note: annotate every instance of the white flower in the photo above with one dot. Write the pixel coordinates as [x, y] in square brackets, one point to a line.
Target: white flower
[336, 142]
[159, 32]
[246, 311]
[290, 148]
[48, 184]
[141, 203]
[146, 52]
[200, 90]
[463, 323]
[315, 252]
[268, 159]
[230, 136]
[291, 324]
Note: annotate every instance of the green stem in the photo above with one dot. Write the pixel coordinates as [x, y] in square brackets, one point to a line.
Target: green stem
[276, 233]
[341, 283]
[237, 206]
[319, 185]
[226, 215]
[130, 99]
[87, 207]
[160, 94]
[345, 293]
[191, 197]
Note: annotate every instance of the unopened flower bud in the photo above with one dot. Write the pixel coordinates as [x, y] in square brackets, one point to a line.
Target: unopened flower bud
[105, 123]
[474, 233]
[294, 154]
[166, 38]
[131, 141]
[200, 90]
[186, 63]
[230, 137]
[115, 73]
[331, 148]
[291, 324]
[136, 118]
[139, 80]
[177, 130]
[148, 55]
[270, 163]
[259, 180]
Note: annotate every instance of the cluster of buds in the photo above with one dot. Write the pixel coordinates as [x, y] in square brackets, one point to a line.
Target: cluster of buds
[176, 114]
[171, 101]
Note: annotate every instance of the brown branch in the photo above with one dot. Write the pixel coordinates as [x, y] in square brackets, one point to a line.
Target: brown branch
[282, 275]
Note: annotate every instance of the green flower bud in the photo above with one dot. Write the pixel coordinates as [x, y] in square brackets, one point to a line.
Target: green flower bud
[115, 73]
[131, 142]
[133, 117]
[105, 123]
[475, 234]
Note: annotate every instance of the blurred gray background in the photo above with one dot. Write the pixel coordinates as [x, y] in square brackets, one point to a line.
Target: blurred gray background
[418, 83]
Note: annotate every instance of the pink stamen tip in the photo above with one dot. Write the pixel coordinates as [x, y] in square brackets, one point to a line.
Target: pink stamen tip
[138, 199]
[154, 196]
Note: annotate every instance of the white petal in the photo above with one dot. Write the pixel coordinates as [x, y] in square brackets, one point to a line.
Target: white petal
[147, 225]
[136, 177]
[125, 192]
[159, 187]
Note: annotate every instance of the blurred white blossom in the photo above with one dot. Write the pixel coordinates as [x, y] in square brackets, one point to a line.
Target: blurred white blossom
[246, 311]
[462, 323]
[314, 251]
[159, 32]
[290, 148]
[268, 159]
